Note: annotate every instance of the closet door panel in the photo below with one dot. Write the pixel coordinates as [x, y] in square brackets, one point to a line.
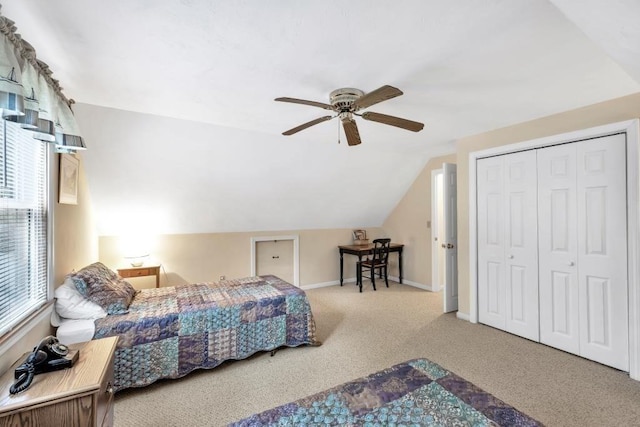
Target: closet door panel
[558, 271]
[602, 249]
[491, 266]
[521, 245]
[561, 285]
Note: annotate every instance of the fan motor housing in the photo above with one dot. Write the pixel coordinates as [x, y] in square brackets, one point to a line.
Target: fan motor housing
[342, 99]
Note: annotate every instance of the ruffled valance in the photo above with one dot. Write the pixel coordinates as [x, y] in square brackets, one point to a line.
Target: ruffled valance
[29, 95]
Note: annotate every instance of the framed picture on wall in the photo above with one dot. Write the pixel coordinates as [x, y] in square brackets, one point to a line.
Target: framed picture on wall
[68, 179]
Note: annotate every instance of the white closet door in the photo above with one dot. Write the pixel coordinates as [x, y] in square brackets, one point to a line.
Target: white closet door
[557, 227]
[491, 265]
[521, 244]
[583, 249]
[602, 250]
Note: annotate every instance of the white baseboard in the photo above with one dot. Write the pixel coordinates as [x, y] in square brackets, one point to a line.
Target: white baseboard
[327, 284]
[410, 283]
[353, 280]
[463, 316]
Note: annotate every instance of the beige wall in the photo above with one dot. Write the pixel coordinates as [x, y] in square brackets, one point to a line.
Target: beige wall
[616, 110]
[75, 237]
[75, 245]
[202, 257]
[407, 223]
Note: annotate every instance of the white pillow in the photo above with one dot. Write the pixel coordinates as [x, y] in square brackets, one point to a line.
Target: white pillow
[72, 331]
[70, 303]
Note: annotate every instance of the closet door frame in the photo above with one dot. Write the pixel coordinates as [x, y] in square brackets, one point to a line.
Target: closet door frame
[632, 131]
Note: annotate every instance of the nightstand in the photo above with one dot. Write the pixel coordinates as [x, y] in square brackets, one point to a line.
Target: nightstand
[80, 395]
[144, 270]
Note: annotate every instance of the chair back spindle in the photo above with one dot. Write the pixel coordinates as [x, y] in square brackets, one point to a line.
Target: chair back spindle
[381, 250]
[378, 262]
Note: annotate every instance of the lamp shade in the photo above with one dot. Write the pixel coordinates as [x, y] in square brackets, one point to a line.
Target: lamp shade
[135, 247]
[11, 90]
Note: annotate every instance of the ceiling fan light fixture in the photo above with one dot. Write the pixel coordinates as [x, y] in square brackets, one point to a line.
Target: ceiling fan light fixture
[346, 116]
[343, 99]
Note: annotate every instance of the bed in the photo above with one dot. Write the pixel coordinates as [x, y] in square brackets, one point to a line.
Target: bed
[417, 393]
[168, 332]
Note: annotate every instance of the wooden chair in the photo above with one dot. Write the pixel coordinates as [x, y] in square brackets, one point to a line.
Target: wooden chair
[378, 263]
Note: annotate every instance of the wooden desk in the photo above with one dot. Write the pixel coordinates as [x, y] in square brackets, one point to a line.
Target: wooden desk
[362, 250]
[144, 270]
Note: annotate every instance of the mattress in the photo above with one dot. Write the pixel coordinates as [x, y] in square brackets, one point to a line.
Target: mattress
[72, 331]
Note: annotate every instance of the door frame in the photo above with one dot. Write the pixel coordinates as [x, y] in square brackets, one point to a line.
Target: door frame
[632, 131]
[296, 254]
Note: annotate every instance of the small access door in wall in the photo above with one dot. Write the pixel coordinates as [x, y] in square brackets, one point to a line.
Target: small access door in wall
[275, 257]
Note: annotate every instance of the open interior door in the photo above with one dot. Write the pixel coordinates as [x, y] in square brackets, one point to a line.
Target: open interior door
[437, 232]
[450, 242]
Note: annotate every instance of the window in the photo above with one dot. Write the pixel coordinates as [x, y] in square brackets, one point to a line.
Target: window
[23, 224]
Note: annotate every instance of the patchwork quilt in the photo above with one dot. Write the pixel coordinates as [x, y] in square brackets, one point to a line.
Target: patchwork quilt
[415, 393]
[168, 332]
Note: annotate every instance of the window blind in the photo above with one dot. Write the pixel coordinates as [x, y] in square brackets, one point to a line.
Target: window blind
[23, 224]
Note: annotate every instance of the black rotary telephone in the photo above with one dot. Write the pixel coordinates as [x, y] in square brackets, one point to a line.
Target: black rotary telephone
[48, 355]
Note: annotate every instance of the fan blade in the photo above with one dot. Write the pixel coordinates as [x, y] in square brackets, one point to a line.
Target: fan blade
[351, 131]
[305, 102]
[307, 125]
[381, 94]
[393, 121]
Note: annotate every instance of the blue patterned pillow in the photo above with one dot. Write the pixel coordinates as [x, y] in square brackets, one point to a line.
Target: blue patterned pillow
[101, 285]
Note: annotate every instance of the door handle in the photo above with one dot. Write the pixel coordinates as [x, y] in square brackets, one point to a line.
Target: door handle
[449, 246]
[510, 256]
[571, 263]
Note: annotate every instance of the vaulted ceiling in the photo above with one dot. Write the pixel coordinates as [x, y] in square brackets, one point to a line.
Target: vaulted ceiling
[213, 69]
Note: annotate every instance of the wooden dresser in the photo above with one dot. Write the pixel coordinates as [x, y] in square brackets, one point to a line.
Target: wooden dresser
[79, 396]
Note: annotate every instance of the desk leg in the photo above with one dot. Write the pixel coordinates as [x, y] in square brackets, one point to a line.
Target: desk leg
[400, 264]
[341, 266]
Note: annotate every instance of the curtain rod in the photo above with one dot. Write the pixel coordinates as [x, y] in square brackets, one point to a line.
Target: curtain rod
[28, 53]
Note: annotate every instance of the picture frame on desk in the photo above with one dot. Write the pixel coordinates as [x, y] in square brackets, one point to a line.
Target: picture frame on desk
[360, 237]
[359, 234]
[68, 179]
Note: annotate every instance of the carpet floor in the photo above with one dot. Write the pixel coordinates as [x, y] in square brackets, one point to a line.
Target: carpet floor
[366, 332]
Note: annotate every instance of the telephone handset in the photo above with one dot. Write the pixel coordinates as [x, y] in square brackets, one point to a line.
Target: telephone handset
[48, 355]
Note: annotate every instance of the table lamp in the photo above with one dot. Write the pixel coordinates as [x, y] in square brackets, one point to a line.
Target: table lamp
[135, 250]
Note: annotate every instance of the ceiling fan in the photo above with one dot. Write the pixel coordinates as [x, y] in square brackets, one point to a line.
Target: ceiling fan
[346, 102]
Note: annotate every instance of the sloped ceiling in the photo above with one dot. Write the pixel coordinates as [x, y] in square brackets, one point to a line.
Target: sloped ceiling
[175, 98]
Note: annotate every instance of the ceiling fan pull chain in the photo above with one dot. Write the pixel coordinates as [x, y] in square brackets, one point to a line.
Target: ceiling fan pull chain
[338, 132]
